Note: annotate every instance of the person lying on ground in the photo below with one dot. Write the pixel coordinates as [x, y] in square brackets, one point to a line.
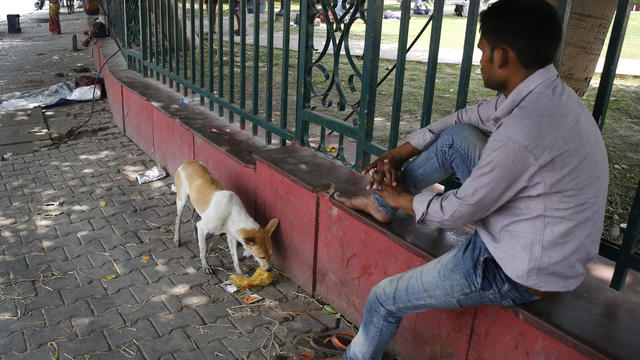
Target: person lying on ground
[534, 175]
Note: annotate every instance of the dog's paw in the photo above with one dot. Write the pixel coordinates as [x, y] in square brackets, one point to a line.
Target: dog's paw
[207, 269]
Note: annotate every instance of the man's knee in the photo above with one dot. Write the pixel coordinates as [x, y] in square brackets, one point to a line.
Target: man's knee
[382, 293]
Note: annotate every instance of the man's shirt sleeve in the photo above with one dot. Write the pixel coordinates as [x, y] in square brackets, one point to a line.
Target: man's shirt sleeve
[500, 174]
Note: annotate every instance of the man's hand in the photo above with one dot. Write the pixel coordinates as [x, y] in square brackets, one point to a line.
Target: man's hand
[396, 194]
[385, 167]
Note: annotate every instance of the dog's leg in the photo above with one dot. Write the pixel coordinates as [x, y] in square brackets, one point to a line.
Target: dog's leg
[202, 244]
[194, 220]
[233, 248]
[180, 202]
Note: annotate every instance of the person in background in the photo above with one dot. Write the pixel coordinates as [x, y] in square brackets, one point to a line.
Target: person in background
[54, 17]
[421, 8]
[236, 13]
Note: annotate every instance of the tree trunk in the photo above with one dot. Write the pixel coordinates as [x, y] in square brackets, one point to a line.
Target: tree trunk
[587, 29]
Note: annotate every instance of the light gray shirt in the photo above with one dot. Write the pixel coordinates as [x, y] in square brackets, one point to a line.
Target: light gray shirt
[538, 194]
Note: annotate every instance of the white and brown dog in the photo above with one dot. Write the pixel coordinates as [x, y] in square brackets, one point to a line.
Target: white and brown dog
[221, 211]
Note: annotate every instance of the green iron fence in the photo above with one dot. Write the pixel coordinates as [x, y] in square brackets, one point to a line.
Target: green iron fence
[335, 85]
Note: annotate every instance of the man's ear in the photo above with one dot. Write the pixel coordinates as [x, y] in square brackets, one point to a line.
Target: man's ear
[501, 56]
[272, 225]
[247, 235]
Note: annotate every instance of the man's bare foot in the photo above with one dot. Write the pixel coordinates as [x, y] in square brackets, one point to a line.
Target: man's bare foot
[364, 203]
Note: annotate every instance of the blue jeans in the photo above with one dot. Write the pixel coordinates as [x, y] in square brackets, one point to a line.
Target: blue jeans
[466, 275]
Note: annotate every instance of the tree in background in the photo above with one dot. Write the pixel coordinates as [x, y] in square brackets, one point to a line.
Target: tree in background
[587, 29]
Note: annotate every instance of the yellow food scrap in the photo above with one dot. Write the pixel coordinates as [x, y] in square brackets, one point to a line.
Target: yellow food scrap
[260, 277]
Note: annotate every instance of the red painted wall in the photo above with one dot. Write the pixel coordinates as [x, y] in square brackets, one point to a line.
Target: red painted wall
[353, 257]
[498, 334]
[294, 239]
[173, 143]
[138, 120]
[234, 176]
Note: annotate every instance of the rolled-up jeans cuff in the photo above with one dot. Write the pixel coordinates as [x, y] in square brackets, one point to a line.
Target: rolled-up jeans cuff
[382, 205]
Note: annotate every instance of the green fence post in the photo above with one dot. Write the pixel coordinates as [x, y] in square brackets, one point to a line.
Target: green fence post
[210, 16]
[611, 61]
[371, 57]
[269, 88]
[201, 23]
[256, 63]
[177, 41]
[220, 58]
[231, 56]
[305, 59]
[284, 82]
[625, 258]
[564, 9]
[432, 63]
[399, 81]
[467, 54]
[243, 58]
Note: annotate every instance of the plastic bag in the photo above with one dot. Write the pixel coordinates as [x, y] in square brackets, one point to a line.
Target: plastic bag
[261, 277]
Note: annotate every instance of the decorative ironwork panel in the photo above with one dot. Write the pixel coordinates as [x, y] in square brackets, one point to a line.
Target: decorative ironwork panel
[333, 90]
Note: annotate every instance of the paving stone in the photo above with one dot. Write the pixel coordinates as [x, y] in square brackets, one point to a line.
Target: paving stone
[43, 353]
[247, 324]
[120, 239]
[217, 350]
[45, 258]
[122, 229]
[94, 343]
[133, 313]
[79, 263]
[203, 335]
[38, 337]
[47, 298]
[124, 281]
[69, 242]
[193, 279]
[66, 281]
[154, 349]
[243, 345]
[194, 298]
[85, 325]
[191, 355]
[302, 324]
[89, 236]
[70, 296]
[157, 272]
[104, 303]
[78, 309]
[10, 325]
[118, 355]
[164, 256]
[163, 291]
[74, 227]
[139, 330]
[10, 263]
[167, 322]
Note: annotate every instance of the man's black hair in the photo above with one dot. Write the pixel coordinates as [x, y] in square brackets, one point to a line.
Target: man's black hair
[531, 28]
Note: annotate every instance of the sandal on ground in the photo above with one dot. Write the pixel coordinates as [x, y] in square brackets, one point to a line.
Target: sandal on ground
[332, 343]
[287, 357]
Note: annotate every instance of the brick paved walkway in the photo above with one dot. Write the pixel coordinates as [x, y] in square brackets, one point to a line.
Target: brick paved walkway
[73, 283]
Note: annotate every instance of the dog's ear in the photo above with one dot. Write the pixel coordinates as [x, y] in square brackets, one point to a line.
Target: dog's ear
[272, 225]
[247, 234]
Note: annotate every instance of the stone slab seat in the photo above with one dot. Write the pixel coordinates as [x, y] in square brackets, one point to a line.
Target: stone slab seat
[593, 320]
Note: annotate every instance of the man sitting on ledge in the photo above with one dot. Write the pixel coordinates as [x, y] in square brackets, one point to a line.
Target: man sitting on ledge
[535, 175]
